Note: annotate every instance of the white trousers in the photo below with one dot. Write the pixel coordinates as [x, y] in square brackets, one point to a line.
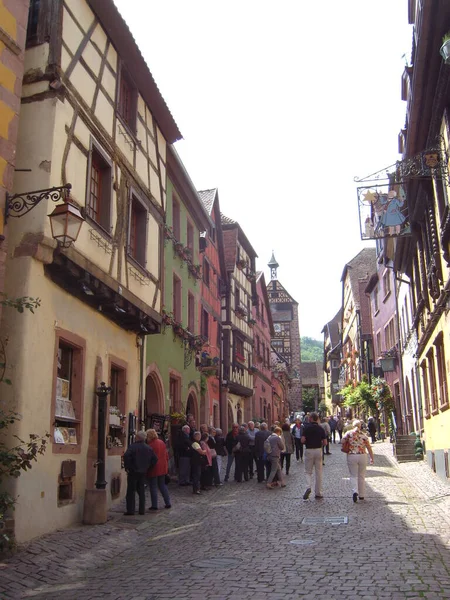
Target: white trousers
[313, 460]
[357, 464]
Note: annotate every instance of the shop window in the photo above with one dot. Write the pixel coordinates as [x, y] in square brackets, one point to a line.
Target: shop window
[98, 203]
[116, 437]
[127, 106]
[68, 393]
[137, 242]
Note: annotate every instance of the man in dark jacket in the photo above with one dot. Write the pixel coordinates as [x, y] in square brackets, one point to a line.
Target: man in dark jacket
[184, 452]
[138, 459]
[260, 437]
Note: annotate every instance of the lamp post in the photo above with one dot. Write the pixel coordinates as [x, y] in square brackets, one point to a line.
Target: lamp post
[65, 220]
[101, 392]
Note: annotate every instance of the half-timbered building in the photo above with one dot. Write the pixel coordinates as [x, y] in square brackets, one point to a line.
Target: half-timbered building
[92, 117]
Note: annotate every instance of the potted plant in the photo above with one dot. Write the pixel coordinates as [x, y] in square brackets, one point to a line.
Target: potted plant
[445, 48]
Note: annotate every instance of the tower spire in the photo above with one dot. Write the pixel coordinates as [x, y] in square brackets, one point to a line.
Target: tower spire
[273, 266]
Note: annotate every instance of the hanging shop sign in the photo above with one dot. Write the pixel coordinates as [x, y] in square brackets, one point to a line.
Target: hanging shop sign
[383, 211]
[382, 197]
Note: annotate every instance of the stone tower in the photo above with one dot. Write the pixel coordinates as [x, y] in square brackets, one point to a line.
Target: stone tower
[286, 342]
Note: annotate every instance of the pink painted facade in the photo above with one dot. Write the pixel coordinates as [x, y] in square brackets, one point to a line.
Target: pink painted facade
[213, 277]
[262, 333]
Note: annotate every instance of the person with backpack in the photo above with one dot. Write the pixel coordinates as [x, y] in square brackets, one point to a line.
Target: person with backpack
[274, 446]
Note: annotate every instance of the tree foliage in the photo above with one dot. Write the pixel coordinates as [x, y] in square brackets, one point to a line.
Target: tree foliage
[309, 396]
[312, 350]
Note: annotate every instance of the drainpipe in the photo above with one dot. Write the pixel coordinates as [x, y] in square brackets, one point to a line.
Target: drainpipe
[142, 345]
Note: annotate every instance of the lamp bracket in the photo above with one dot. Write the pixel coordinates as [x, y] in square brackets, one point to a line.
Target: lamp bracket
[17, 205]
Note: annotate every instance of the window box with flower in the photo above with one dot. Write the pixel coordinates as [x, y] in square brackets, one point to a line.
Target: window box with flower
[241, 312]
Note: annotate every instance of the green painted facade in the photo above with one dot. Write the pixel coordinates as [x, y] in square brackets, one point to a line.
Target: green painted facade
[166, 352]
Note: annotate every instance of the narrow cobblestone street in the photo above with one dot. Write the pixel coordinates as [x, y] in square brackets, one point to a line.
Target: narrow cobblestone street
[243, 541]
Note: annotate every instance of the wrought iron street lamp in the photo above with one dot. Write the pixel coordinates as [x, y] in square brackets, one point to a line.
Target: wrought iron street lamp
[65, 220]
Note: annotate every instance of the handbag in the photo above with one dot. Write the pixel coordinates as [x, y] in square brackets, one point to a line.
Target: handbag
[345, 446]
[237, 448]
[213, 453]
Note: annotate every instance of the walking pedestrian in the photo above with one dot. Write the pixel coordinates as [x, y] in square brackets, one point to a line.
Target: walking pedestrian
[230, 443]
[288, 440]
[251, 432]
[358, 444]
[326, 427]
[157, 473]
[340, 426]
[262, 464]
[297, 432]
[242, 456]
[314, 438]
[137, 460]
[332, 423]
[372, 428]
[276, 448]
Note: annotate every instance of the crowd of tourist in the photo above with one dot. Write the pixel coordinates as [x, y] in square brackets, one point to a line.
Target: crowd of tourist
[252, 448]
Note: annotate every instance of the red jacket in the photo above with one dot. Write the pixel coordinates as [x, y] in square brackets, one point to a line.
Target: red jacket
[162, 466]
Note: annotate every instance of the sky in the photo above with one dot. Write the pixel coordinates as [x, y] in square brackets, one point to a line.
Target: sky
[281, 105]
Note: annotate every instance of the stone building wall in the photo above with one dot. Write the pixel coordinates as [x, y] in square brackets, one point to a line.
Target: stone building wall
[13, 28]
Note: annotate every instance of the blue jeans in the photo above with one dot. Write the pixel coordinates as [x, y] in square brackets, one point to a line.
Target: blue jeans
[230, 458]
[158, 482]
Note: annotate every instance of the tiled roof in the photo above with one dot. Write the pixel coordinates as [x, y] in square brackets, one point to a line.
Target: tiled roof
[230, 248]
[208, 197]
[124, 42]
[312, 373]
[226, 220]
[360, 268]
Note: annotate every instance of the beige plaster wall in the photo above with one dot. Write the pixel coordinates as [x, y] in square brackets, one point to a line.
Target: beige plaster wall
[31, 356]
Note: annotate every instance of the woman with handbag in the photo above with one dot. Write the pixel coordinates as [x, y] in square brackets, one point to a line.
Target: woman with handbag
[198, 458]
[356, 444]
[157, 474]
[206, 473]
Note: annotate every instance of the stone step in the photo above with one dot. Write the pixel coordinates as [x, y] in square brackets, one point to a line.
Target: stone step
[408, 458]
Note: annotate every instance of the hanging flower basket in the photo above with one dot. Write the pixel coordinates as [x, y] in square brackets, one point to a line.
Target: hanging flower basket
[241, 263]
[241, 312]
[251, 322]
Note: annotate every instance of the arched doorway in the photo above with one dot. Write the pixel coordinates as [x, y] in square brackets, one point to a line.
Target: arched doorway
[191, 407]
[153, 398]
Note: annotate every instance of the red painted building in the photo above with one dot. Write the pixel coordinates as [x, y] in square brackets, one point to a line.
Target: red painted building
[213, 279]
[262, 333]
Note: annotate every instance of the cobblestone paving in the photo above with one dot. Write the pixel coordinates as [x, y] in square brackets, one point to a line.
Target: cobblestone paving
[235, 542]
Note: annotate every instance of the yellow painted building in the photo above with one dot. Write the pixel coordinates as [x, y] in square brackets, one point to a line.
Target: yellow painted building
[92, 117]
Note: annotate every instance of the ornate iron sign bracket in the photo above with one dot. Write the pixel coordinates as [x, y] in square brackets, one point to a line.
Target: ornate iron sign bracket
[17, 205]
